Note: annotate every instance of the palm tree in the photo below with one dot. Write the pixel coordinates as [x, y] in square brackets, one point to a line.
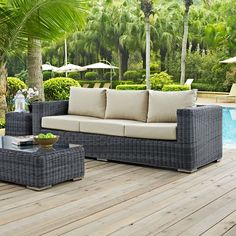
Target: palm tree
[30, 22]
[188, 3]
[166, 31]
[146, 6]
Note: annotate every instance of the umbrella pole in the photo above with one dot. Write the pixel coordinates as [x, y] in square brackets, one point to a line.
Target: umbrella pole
[66, 60]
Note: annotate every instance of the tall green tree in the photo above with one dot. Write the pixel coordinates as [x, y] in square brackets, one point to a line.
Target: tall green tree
[40, 20]
[187, 3]
[147, 8]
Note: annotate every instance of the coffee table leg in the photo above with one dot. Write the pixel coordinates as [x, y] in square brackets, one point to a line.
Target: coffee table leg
[77, 179]
[38, 189]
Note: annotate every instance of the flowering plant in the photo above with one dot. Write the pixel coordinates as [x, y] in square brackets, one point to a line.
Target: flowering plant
[31, 95]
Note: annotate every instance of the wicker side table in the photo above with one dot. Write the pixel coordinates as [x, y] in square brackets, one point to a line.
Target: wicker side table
[38, 168]
[18, 123]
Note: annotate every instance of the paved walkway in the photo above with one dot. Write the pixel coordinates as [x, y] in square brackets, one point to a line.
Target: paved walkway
[209, 101]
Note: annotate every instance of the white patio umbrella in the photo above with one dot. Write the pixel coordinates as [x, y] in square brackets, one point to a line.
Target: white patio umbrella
[48, 67]
[69, 68]
[229, 61]
[100, 65]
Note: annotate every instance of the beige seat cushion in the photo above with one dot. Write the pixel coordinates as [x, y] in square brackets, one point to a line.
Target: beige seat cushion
[162, 131]
[130, 105]
[65, 122]
[107, 126]
[87, 102]
[163, 105]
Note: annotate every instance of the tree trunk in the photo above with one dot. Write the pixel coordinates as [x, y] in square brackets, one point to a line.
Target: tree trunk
[184, 47]
[143, 55]
[3, 88]
[123, 61]
[163, 59]
[34, 66]
[148, 52]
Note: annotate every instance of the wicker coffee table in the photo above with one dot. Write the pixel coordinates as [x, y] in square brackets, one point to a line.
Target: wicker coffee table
[38, 168]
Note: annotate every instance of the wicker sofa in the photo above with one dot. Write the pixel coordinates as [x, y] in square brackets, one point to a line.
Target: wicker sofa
[159, 129]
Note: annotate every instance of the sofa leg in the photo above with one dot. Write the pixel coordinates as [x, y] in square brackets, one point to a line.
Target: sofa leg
[101, 159]
[77, 179]
[187, 171]
[38, 189]
[219, 160]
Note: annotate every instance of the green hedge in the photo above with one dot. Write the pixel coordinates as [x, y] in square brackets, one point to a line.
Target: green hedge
[121, 82]
[13, 85]
[59, 88]
[132, 75]
[91, 75]
[208, 87]
[74, 75]
[175, 87]
[131, 87]
[114, 82]
[2, 123]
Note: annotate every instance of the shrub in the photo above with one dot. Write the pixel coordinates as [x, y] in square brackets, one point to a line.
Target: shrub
[91, 75]
[154, 67]
[201, 65]
[74, 75]
[47, 75]
[175, 87]
[59, 88]
[2, 123]
[131, 87]
[13, 85]
[132, 75]
[158, 80]
[230, 79]
[58, 75]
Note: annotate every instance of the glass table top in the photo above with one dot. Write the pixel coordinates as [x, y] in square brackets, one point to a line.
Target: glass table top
[6, 142]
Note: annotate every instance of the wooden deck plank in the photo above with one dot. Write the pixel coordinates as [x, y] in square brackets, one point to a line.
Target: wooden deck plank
[132, 213]
[166, 191]
[85, 187]
[82, 207]
[198, 222]
[231, 232]
[91, 178]
[120, 199]
[222, 226]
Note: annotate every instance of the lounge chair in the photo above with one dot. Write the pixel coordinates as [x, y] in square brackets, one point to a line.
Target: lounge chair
[231, 95]
[107, 85]
[85, 85]
[97, 85]
[189, 82]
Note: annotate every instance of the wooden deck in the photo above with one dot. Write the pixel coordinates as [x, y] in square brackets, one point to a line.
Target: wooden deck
[121, 200]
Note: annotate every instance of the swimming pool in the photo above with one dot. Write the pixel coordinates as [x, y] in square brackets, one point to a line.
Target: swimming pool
[229, 126]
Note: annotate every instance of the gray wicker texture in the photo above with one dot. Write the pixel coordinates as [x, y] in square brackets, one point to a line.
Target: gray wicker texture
[42, 168]
[18, 123]
[199, 141]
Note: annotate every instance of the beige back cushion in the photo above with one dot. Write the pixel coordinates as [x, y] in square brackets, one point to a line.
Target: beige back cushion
[87, 102]
[130, 105]
[163, 105]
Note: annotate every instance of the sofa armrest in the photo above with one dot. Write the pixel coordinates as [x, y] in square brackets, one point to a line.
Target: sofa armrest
[41, 109]
[199, 125]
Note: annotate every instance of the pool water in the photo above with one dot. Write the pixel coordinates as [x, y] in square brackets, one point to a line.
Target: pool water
[229, 126]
